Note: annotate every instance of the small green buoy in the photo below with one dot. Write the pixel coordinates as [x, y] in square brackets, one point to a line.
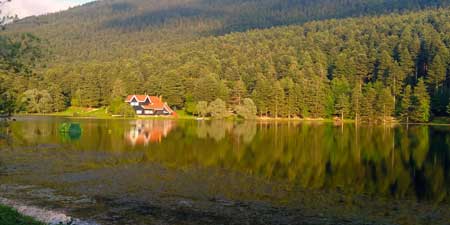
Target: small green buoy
[72, 128]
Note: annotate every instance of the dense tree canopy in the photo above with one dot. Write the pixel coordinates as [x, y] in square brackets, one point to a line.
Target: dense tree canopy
[18, 56]
[109, 29]
[367, 68]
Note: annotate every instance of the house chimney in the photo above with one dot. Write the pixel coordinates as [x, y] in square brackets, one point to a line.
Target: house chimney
[161, 98]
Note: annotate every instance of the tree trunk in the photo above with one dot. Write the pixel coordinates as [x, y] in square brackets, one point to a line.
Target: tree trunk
[276, 111]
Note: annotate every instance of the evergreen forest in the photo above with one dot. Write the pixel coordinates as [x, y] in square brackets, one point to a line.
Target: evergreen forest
[367, 60]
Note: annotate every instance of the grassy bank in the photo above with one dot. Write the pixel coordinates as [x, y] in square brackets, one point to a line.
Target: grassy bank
[84, 112]
[102, 113]
[9, 216]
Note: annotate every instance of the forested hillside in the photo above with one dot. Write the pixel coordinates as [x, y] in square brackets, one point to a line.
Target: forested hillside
[366, 68]
[108, 29]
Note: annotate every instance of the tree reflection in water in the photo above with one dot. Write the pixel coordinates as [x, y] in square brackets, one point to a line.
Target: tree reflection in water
[394, 161]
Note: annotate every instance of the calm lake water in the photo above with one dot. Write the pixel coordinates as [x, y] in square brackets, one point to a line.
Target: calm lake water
[217, 172]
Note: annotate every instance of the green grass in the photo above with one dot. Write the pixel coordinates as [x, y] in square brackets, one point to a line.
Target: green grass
[183, 115]
[9, 216]
[83, 112]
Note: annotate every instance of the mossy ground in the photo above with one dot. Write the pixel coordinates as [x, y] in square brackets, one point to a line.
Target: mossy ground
[9, 216]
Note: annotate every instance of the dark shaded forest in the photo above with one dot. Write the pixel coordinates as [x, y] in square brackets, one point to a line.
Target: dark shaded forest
[370, 68]
[106, 30]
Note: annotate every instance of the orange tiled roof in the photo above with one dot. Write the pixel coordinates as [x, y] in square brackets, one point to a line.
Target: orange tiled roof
[140, 98]
[155, 102]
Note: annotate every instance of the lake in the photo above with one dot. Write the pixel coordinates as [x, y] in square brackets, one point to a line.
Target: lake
[221, 172]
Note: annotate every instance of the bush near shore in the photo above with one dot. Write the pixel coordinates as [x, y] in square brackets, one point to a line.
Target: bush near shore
[9, 216]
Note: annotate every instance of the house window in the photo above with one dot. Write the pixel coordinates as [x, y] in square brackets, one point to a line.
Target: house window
[135, 103]
[148, 112]
[139, 112]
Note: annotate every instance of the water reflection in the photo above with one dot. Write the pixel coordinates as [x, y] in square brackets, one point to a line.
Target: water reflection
[393, 161]
[143, 132]
[218, 130]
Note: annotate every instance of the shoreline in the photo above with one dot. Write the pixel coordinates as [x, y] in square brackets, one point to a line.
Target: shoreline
[32, 215]
[257, 119]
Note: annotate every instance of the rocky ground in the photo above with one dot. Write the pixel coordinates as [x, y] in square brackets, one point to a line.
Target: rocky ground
[53, 208]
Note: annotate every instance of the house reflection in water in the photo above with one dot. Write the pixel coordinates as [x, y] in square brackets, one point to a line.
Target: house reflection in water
[143, 132]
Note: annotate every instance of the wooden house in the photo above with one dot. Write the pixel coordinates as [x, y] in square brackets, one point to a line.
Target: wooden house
[146, 105]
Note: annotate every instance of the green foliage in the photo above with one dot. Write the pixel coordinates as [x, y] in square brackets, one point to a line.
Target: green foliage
[421, 102]
[119, 107]
[173, 90]
[202, 108]
[261, 94]
[357, 67]
[130, 25]
[18, 56]
[190, 107]
[59, 101]
[276, 99]
[357, 99]
[7, 100]
[218, 109]
[247, 109]
[20, 53]
[405, 105]
[342, 106]
[119, 89]
[448, 107]
[341, 91]
[238, 92]
[385, 102]
[37, 101]
[10, 216]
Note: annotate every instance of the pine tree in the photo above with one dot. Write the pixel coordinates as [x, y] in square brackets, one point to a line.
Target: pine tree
[342, 67]
[223, 92]
[238, 92]
[118, 89]
[405, 105]
[385, 103]
[206, 88]
[300, 105]
[342, 105]
[421, 103]
[368, 103]
[59, 102]
[340, 89]
[290, 97]
[357, 98]
[277, 99]
[261, 95]
[437, 71]
[172, 89]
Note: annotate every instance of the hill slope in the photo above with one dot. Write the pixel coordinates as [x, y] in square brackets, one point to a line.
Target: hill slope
[113, 28]
[367, 68]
